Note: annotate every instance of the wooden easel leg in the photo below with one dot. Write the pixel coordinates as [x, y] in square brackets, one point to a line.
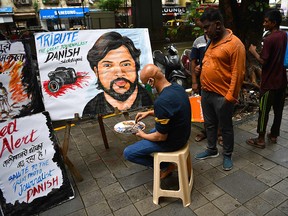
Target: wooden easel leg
[66, 138]
[64, 151]
[73, 169]
[103, 132]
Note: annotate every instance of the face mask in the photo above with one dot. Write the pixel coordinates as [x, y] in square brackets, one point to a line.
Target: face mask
[150, 82]
[150, 85]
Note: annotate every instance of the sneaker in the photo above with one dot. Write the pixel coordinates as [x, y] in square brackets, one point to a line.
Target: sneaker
[205, 154]
[227, 163]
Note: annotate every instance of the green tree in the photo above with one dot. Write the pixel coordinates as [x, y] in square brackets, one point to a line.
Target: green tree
[110, 5]
[194, 15]
[246, 21]
[245, 18]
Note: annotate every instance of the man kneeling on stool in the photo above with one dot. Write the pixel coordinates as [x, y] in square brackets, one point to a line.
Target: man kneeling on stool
[172, 121]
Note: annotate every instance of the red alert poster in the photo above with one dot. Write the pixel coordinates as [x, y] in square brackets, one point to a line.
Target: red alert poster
[33, 176]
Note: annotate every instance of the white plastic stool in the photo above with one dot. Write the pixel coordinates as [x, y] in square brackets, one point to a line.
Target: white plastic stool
[185, 175]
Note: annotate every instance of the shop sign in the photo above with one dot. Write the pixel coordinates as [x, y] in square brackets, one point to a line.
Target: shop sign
[173, 10]
[6, 10]
[57, 13]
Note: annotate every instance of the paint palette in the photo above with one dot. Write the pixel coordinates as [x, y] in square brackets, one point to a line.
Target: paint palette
[129, 127]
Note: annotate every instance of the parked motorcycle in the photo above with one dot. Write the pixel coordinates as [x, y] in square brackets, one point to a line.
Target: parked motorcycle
[171, 65]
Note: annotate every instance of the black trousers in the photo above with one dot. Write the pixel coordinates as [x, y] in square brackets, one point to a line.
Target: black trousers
[218, 112]
[275, 99]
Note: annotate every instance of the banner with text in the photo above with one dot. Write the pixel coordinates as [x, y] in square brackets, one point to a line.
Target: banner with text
[14, 99]
[92, 71]
[33, 176]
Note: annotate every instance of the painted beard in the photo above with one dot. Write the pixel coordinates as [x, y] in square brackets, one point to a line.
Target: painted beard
[115, 95]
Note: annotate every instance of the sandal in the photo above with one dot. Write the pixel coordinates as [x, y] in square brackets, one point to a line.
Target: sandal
[255, 142]
[200, 137]
[168, 171]
[271, 139]
[220, 140]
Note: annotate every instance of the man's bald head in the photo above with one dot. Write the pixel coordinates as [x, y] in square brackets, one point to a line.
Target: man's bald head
[150, 71]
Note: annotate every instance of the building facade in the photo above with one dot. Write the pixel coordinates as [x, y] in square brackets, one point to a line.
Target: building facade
[17, 15]
[53, 15]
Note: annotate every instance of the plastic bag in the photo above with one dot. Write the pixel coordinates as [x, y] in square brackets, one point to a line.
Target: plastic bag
[286, 54]
[196, 109]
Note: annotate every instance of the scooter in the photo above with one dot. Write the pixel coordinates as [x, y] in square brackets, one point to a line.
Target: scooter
[170, 65]
[185, 59]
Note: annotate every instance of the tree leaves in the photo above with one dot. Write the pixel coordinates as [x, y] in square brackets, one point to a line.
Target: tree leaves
[110, 5]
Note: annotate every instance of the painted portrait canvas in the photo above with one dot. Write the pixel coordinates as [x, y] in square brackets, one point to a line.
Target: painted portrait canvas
[92, 72]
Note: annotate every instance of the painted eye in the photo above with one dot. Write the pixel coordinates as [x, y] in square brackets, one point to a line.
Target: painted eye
[107, 65]
[126, 64]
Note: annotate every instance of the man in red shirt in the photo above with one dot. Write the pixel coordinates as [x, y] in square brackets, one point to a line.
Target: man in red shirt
[222, 74]
[273, 79]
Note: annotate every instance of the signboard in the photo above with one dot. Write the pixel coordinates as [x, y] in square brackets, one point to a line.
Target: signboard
[91, 72]
[173, 10]
[6, 9]
[33, 176]
[14, 98]
[59, 13]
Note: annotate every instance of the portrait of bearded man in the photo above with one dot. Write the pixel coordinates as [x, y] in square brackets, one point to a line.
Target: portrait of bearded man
[115, 62]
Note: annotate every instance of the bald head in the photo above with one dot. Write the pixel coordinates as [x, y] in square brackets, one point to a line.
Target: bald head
[150, 71]
[153, 75]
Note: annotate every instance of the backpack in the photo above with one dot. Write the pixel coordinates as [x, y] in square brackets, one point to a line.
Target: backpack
[286, 54]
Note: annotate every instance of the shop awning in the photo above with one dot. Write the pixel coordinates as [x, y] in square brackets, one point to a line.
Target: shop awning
[6, 14]
[24, 15]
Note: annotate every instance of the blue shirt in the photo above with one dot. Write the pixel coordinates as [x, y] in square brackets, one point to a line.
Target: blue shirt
[198, 49]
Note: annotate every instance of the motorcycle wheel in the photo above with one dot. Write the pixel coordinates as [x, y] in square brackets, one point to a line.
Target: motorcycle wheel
[179, 81]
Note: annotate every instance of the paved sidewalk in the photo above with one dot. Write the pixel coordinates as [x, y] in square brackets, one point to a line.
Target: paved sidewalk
[257, 185]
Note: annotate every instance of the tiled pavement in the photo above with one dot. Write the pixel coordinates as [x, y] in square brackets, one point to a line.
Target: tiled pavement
[257, 185]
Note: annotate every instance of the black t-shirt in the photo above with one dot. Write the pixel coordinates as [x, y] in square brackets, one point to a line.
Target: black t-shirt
[173, 116]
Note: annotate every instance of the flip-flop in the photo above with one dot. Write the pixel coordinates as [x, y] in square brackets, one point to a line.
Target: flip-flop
[220, 140]
[168, 171]
[255, 142]
[271, 139]
[200, 137]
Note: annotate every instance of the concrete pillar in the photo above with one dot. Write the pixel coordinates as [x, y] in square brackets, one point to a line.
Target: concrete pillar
[148, 14]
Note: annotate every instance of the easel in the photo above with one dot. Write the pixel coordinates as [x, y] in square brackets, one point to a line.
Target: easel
[66, 142]
[65, 147]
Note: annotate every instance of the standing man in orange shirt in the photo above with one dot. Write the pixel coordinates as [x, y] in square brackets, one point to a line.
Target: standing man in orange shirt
[222, 74]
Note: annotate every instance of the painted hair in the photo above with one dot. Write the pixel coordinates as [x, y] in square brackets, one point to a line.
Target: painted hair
[110, 41]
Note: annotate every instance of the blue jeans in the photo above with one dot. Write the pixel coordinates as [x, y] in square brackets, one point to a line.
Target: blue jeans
[141, 152]
[218, 112]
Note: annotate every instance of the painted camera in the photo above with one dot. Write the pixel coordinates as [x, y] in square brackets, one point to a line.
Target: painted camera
[60, 77]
